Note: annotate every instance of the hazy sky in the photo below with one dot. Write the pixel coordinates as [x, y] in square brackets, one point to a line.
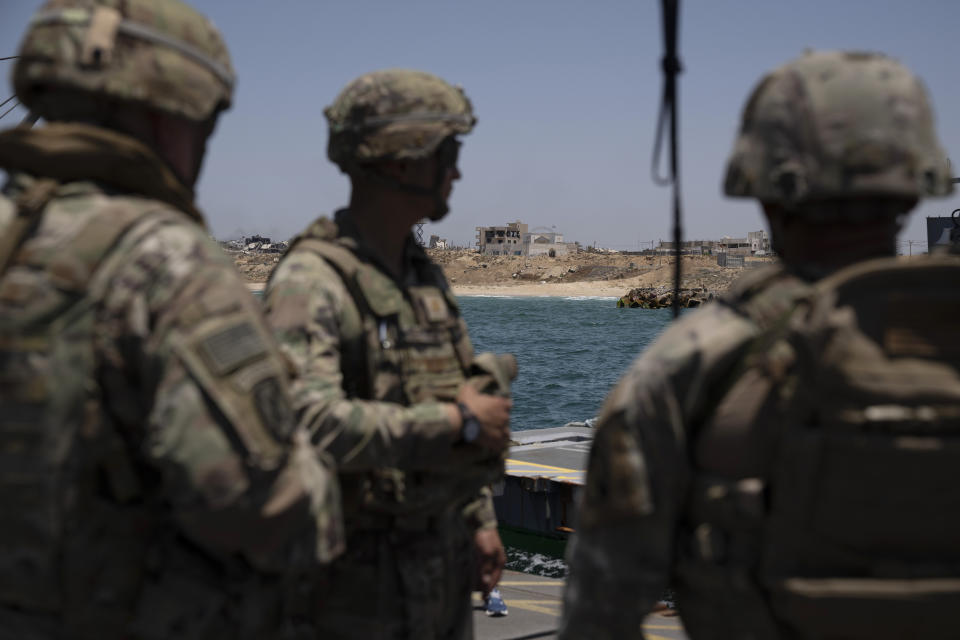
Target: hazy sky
[566, 93]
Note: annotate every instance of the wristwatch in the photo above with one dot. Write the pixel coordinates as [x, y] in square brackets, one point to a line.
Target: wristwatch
[471, 426]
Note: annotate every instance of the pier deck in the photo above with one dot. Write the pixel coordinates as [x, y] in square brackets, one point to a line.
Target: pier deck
[536, 500]
[534, 605]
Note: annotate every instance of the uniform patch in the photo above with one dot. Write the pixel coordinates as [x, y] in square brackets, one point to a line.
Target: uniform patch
[273, 407]
[226, 350]
[432, 304]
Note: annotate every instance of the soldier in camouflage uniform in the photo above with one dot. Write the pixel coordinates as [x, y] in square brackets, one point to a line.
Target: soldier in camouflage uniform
[787, 458]
[386, 378]
[152, 481]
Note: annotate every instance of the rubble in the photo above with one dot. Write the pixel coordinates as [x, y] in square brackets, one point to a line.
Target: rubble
[662, 297]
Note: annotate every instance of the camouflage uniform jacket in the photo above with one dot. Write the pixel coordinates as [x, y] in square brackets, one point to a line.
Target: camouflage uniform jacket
[147, 474]
[645, 452]
[375, 359]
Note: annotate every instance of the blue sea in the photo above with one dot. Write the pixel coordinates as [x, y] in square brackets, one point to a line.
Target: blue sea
[570, 351]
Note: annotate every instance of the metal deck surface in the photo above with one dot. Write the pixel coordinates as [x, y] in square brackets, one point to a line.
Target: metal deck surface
[559, 454]
[534, 605]
[545, 470]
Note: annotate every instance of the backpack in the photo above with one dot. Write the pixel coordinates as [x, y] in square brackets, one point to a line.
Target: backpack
[854, 532]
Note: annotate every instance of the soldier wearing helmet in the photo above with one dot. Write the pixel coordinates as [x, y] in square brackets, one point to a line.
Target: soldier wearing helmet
[153, 483]
[773, 455]
[386, 377]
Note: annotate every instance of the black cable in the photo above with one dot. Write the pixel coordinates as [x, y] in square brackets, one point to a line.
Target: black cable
[15, 105]
[7, 100]
[10, 58]
[672, 68]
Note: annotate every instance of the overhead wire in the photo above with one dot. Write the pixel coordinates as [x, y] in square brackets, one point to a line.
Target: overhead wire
[9, 58]
[667, 125]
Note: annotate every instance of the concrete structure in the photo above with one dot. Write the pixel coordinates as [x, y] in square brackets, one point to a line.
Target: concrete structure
[436, 242]
[501, 241]
[730, 260]
[759, 242]
[546, 242]
[756, 243]
[688, 247]
[735, 246]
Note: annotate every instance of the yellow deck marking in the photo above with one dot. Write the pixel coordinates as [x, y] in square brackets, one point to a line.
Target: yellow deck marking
[662, 627]
[537, 606]
[542, 466]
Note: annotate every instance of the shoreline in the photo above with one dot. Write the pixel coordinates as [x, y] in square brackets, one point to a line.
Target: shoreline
[586, 289]
[550, 290]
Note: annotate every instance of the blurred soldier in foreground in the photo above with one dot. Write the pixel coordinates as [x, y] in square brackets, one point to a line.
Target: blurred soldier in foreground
[151, 481]
[386, 378]
[789, 458]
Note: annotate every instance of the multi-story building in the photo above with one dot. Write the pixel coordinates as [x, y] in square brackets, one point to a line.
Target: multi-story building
[502, 241]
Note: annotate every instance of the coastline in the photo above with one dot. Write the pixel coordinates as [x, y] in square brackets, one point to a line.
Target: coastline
[548, 290]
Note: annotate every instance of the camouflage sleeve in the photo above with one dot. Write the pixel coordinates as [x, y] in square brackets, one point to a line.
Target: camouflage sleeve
[193, 377]
[306, 304]
[622, 554]
[479, 513]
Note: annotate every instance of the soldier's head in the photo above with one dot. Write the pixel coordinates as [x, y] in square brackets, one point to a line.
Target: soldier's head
[396, 129]
[838, 147]
[154, 69]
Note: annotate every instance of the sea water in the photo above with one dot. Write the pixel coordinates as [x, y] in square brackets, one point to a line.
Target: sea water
[570, 351]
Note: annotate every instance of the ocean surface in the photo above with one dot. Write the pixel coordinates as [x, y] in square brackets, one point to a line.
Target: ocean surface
[570, 351]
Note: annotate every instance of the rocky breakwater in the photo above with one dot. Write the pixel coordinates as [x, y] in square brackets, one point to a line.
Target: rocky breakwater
[662, 297]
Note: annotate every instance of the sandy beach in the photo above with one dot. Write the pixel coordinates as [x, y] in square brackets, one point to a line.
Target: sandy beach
[549, 289]
[559, 289]
[573, 276]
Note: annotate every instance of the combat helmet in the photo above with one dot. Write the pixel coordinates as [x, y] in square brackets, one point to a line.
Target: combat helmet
[162, 55]
[395, 114]
[831, 126]
[399, 114]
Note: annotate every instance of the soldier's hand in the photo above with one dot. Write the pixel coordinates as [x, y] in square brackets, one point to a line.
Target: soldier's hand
[493, 412]
[490, 558]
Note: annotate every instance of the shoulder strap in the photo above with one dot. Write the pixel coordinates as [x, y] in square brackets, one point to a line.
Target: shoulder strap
[356, 362]
[30, 204]
[769, 299]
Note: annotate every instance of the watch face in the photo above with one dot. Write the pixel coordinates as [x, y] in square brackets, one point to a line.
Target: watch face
[471, 430]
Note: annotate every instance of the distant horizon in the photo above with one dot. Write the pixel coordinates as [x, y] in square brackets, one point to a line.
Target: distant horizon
[566, 93]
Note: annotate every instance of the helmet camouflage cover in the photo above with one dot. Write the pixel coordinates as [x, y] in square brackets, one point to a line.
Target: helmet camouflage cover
[396, 114]
[836, 125]
[160, 54]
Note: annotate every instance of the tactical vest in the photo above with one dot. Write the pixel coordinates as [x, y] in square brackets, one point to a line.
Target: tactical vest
[840, 518]
[84, 548]
[412, 347]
